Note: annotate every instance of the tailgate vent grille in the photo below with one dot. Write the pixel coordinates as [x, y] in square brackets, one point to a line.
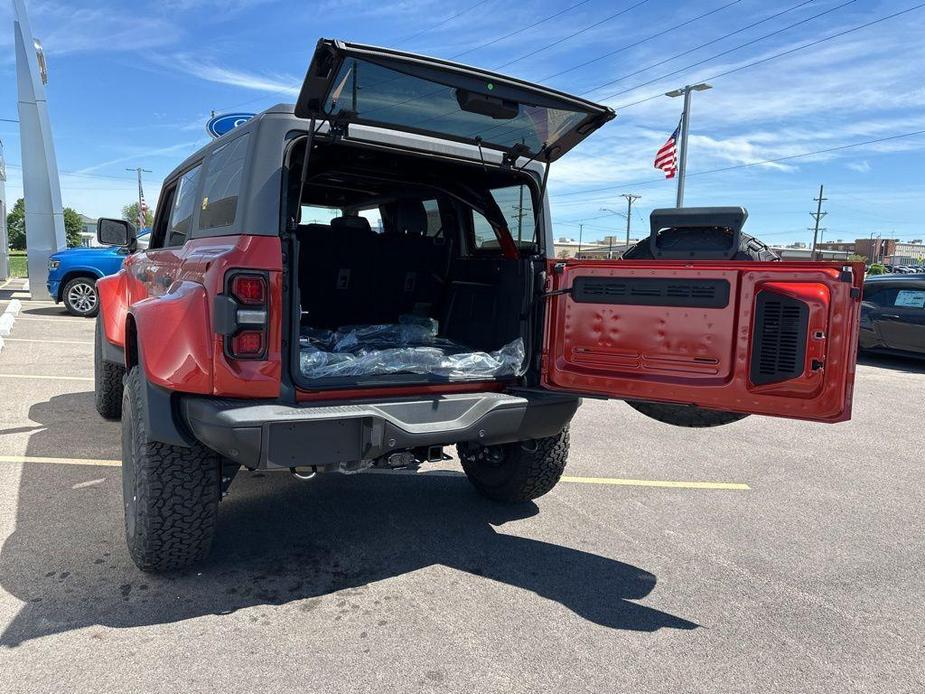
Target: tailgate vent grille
[651, 291]
[779, 338]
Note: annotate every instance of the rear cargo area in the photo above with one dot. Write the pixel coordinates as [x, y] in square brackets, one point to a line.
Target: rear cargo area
[402, 270]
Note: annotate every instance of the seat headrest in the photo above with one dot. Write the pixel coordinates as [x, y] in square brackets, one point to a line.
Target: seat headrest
[410, 217]
[351, 224]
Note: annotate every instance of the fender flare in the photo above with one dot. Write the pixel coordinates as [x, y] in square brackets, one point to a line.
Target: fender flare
[113, 300]
[176, 332]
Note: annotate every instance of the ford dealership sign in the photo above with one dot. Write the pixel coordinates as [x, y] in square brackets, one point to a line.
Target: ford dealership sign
[219, 125]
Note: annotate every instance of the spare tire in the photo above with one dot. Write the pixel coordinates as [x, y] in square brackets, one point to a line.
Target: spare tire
[703, 238]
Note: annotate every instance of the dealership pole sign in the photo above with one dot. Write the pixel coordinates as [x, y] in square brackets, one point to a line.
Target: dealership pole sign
[219, 125]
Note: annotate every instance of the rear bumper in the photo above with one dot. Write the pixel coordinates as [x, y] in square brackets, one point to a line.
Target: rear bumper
[272, 435]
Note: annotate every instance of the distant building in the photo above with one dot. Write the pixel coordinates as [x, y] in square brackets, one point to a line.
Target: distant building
[890, 251]
[603, 249]
[88, 232]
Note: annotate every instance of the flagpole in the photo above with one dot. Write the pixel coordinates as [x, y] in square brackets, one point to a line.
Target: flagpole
[685, 124]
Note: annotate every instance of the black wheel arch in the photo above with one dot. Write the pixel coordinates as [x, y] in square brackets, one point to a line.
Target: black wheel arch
[73, 275]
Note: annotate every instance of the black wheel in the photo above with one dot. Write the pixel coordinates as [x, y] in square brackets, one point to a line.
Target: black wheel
[750, 248]
[685, 415]
[170, 493]
[80, 297]
[107, 379]
[516, 472]
[706, 238]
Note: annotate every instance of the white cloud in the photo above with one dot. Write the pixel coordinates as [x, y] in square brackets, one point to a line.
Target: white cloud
[205, 69]
[861, 166]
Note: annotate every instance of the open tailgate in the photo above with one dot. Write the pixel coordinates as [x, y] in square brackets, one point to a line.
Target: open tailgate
[772, 338]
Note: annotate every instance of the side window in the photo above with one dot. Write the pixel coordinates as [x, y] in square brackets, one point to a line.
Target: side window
[516, 205]
[434, 221]
[910, 298]
[482, 232]
[162, 217]
[880, 296]
[222, 184]
[181, 216]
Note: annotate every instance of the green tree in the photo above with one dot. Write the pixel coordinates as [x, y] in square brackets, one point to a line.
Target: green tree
[16, 226]
[130, 214]
[876, 269]
[73, 226]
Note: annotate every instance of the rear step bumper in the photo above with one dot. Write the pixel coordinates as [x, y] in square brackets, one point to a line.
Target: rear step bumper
[273, 435]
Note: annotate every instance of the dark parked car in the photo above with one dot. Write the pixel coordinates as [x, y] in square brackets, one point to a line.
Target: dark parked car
[893, 314]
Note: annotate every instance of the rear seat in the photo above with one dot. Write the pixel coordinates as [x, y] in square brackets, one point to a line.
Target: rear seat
[412, 259]
[338, 265]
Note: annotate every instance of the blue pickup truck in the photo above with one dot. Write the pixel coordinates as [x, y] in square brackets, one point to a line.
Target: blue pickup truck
[72, 275]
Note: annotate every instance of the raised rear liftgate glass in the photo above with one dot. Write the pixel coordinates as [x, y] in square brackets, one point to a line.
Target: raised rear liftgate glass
[374, 86]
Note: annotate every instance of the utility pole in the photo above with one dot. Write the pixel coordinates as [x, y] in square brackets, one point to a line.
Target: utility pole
[581, 228]
[630, 197]
[817, 215]
[141, 198]
[4, 238]
[685, 126]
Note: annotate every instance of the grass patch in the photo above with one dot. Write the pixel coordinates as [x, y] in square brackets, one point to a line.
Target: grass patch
[18, 264]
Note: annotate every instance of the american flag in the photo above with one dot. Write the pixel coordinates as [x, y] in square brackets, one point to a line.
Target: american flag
[666, 158]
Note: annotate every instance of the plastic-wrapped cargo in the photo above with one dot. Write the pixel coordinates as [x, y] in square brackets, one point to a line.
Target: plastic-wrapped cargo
[410, 346]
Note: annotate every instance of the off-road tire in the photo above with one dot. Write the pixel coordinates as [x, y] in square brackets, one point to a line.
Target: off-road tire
[107, 379]
[708, 238]
[750, 248]
[85, 287]
[516, 472]
[685, 415]
[170, 493]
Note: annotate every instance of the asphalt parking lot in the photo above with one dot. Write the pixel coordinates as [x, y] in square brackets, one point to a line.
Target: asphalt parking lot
[767, 555]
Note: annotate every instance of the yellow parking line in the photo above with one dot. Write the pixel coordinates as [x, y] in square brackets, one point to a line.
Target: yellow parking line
[45, 377]
[58, 461]
[566, 478]
[655, 483]
[50, 342]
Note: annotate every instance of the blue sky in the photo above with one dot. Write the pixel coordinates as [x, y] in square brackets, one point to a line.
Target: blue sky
[132, 84]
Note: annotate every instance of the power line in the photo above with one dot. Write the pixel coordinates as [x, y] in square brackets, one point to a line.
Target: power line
[656, 35]
[577, 33]
[441, 23]
[776, 55]
[521, 30]
[721, 53]
[754, 163]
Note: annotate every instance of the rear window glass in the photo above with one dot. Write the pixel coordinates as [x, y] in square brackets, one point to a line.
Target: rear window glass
[378, 94]
[222, 184]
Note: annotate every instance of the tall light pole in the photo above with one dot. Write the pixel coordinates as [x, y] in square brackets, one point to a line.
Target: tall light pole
[817, 215]
[685, 125]
[629, 215]
[620, 214]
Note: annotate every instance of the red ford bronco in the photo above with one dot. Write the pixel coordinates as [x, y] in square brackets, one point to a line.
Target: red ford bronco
[369, 276]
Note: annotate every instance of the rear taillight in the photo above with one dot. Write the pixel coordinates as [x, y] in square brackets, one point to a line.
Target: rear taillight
[241, 314]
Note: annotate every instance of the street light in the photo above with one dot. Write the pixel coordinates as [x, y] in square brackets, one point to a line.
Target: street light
[621, 214]
[685, 123]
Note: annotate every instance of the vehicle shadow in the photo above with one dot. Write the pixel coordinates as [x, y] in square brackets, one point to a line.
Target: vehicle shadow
[56, 310]
[894, 362]
[279, 541]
